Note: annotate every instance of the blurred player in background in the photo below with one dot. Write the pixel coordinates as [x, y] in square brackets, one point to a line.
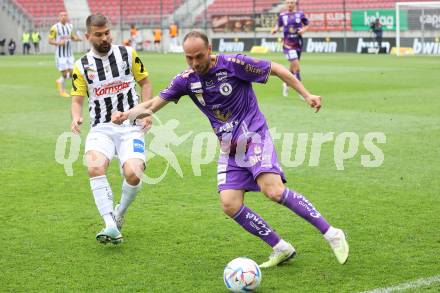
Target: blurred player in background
[221, 87]
[61, 36]
[108, 74]
[294, 24]
[376, 28]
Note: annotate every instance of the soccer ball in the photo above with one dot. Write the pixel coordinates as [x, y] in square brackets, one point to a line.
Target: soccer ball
[242, 275]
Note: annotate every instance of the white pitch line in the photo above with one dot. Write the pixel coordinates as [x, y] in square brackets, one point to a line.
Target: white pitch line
[408, 285]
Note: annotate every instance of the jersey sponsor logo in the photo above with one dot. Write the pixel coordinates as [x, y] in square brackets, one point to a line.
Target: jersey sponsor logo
[196, 85]
[285, 19]
[138, 146]
[225, 89]
[253, 69]
[236, 60]
[111, 88]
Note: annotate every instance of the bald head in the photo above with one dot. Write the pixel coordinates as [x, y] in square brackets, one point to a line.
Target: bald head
[197, 51]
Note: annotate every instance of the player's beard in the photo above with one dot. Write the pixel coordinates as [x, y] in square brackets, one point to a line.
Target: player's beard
[202, 69]
[103, 48]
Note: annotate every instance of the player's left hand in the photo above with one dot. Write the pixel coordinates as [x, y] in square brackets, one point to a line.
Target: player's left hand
[145, 123]
[300, 32]
[314, 102]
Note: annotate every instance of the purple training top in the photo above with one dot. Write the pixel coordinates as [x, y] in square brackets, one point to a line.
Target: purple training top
[291, 22]
[225, 94]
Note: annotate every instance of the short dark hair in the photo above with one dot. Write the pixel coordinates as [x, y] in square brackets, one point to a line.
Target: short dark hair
[197, 34]
[96, 19]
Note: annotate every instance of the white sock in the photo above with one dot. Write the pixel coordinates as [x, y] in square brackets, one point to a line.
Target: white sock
[103, 198]
[67, 75]
[128, 195]
[61, 82]
[331, 232]
[282, 245]
[109, 220]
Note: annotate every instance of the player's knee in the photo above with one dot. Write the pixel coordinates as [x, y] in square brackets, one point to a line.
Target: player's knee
[273, 191]
[230, 208]
[95, 171]
[133, 171]
[132, 178]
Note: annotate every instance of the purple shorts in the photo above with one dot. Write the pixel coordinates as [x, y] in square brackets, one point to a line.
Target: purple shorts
[292, 54]
[240, 171]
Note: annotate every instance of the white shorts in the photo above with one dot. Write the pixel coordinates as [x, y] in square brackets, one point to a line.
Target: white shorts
[64, 63]
[124, 141]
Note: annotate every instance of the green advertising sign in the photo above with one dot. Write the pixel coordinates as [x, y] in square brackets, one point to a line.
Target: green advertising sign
[362, 19]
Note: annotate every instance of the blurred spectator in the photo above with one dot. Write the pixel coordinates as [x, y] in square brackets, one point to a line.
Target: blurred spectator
[157, 37]
[135, 38]
[36, 38]
[173, 32]
[2, 46]
[26, 40]
[12, 46]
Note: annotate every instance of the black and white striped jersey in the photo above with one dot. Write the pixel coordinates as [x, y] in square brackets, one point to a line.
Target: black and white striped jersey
[64, 32]
[109, 81]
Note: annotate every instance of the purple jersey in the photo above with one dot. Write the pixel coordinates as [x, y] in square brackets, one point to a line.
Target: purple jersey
[291, 22]
[225, 94]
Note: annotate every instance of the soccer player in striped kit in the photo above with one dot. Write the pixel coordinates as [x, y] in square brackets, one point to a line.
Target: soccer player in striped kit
[108, 74]
[294, 24]
[221, 87]
[61, 36]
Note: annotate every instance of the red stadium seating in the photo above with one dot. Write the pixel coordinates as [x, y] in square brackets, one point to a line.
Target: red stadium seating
[240, 7]
[137, 11]
[38, 11]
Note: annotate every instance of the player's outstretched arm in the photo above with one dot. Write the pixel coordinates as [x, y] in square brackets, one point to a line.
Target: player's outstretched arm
[285, 75]
[76, 111]
[142, 110]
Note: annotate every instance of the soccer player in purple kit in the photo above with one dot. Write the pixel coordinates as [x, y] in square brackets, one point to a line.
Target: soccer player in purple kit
[221, 87]
[294, 24]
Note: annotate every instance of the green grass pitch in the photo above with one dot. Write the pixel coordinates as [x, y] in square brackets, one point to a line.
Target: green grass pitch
[176, 237]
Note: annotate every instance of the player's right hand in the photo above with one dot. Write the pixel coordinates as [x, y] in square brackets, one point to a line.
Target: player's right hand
[75, 125]
[119, 117]
[314, 102]
[61, 43]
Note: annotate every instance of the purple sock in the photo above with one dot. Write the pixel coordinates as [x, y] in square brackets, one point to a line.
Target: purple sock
[304, 208]
[255, 225]
[298, 75]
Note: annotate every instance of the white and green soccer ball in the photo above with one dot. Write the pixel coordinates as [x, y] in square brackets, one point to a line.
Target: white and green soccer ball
[242, 275]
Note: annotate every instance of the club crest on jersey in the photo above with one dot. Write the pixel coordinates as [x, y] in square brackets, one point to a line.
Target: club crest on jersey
[124, 66]
[225, 89]
[90, 71]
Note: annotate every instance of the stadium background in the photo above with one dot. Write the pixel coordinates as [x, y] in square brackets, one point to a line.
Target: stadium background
[336, 25]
